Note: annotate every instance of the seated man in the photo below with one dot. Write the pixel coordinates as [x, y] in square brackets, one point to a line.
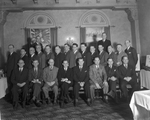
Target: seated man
[35, 81]
[127, 75]
[81, 80]
[50, 79]
[65, 80]
[98, 79]
[112, 75]
[20, 81]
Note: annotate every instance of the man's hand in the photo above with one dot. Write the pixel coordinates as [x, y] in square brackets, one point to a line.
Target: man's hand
[21, 84]
[97, 86]
[51, 83]
[113, 78]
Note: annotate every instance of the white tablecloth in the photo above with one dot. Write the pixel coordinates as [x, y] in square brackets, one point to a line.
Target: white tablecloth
[145, 79]
[140, 105]
[3, 87]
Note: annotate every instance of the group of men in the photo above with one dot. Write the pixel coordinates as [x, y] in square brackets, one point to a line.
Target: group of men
[98, 68]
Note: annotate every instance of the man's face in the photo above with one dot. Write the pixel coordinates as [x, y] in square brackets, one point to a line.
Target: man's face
[35, 63]
[22, 52]
[110, 62]
[119, 48]
[57, 50]
[11, 49]
[104, 36]
[74, 47]
[31, 51]
[21, 63]
[66, 48]
[100, 48]
[51, 62]
[97, 61]
[127, 43]
[38, 48]
[92, 49]
[110, 49]
[81, 62]
[47, 49]
[83, 47]
[65, 64]
[125, 60]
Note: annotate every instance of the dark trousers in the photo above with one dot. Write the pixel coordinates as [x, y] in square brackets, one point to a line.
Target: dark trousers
[64, 90]
[112, 85]
[36, 87]
[123, 86]
[86, 90]
[15, 92]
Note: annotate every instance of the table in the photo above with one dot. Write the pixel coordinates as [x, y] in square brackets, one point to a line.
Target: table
[3, 87]
[140, 105]
[145, 78]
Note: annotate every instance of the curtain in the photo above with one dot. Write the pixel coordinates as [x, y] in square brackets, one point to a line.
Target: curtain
[27, 35]
[82, 34]
[107, 31]
[53, 37]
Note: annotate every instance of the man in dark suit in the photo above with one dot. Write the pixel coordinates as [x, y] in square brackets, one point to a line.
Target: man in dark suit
[59, 57]
[69, 55]
[85, 55]
[65, 77]
[103, 55]
[20, 81]
[93, 54]
[24, 57]
[76, 53]
[132, 54]
[32, 56]
[40, 56]
[127, 75]
[112, 78]
[104, 42]
[35, 82]
[48, 54]
[11, 64]
[81, 80]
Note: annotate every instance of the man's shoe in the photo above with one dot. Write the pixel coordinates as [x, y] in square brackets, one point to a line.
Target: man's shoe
[15, 105]
[23, 104]
[105, 99]
[38, 104]
[75, 102]
[88, 102]
[62, 104]
[48, 101]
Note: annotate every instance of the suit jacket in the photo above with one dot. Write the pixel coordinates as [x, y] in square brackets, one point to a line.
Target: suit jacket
[119, 57]
[11, 63]
[111, 71]
[129, 72]
[114, 57]
[87, 58]
[80, 76]
[64, 74]
[97, 75]
[19, 77]
[103, 58]
[69, 56]
[34, 75]
[25, 58]
[31, 59]
[105, 44]
[92, 56]
[59, 59]
[132, 55]
[41, 58]
[75, 57]
[48, 56]
[50, 75]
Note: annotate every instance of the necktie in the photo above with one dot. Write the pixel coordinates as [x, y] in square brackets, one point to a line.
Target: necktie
[36, 72]
[126, 66]
[80, 68]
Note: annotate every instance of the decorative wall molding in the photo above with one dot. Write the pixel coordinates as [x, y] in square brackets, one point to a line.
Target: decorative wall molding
[3, 15]
[40, 20]
[134, 13]
[35, 1]
[94, 18]
[14, 1]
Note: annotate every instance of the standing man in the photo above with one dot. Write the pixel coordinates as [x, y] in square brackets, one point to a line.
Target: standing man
[11, 64]
[20, 81]
[36, 81]
[103, 55]
[32, 56]
[40, 56]
[59, 56]
[98, 79]
[127, 75]
[69, 55]
[24, 57]
[76, 53]
[85, 55]
[51, 81]
[104, 42]
[65, 77]
[132, 54]
[81, 80]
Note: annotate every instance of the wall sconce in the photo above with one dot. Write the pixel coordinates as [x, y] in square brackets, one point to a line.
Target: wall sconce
[14, 1]
[35, 1]
[70, 40]
[98, 1]
[56, 1]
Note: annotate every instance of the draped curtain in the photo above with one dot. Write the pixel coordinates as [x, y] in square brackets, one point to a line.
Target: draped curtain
[53, 37]
[27, 35]
[107, 31]
[82, 34]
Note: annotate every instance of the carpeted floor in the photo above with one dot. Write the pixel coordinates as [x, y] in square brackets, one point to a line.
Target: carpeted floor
[98, 111]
